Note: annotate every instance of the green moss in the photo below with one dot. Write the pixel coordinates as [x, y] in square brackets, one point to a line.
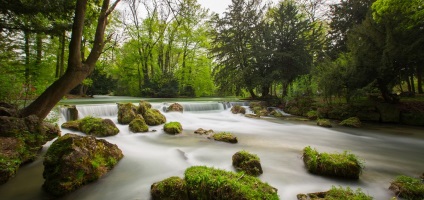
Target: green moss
[138, 125]
[173, 188]
[324, 123]
[408, 187]
[143, 106]
[336, 193]
[275, 113]
[97, 126]
[351, 122]
[209, 183]
[340, 165]
[173, 128]
[154, 117]
[126, 112]
[247, 162]
[225, 137]
[238, 109]
[312, 115]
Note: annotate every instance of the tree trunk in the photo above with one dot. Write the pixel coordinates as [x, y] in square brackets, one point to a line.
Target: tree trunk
[39, 44]
[77, 71]
[420, 79]
[265, 91]
[412, 83]
[252, 93]
[62, 54]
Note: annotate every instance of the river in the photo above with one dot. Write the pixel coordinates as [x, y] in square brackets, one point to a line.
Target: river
[388, 151]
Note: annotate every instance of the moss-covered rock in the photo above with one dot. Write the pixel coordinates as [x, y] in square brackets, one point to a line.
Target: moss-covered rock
[351, 122]
[312, 115]
[138, 125]
[248, 163]
[173, 188]
[276, 113]
[209, 183]
[98, 127]
[11, 150]
[173, 128]
[154, 117]
[175, 107]
[407, 187]
[73, 161]
[201, 131]
[143, 106]
[236, 109]
[126, 112]
[72, 125]
[336, 193]
[343, 165]
[225, 137]
[324, 123]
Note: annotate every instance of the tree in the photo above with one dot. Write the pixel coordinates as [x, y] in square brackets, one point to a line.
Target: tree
[77, 69]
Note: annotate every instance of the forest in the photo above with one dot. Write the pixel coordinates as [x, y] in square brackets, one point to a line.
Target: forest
[159, 48]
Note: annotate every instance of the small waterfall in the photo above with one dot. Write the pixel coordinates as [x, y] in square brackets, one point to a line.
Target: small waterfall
[196, 107]
[228, 105]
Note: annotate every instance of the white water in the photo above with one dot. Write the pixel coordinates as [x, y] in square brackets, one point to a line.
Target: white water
[154, 156]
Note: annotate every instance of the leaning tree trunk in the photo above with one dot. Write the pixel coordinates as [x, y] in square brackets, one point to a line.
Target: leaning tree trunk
[77, 71]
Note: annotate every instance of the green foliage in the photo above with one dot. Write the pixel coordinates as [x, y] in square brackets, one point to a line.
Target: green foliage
[408, 187]
[351, 122]
[172, 188]
[339, 193]
[344, 165]
[209, 183]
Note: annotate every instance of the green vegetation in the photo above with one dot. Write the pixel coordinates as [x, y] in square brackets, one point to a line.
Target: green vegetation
[345, 165]
[93, 126]
[173, 128]
[336, 193]
[225, 137]
[408, 187]
[324, 123]
[209, 183]
[138, 125]
[351, 122]
[312, 115]
[172, 188]
[248, 163]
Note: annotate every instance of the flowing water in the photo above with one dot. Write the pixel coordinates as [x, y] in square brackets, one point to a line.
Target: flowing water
[388, 150]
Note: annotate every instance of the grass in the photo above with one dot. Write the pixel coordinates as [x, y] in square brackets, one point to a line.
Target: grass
[408, 187]
[345, 165]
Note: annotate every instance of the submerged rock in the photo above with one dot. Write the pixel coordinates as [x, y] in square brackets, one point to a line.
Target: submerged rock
[73, 161]
[138, 125]
[175, 107]
[154, 117]
[225, 137]
[248, 163]
[126, 113]
[173, 188]
[201, 131]
[173, 128]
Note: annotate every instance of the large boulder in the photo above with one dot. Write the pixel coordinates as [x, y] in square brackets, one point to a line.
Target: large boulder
[324, 123]
[248, 163]
[209, 183]
[138, 125]
[343, 165]
[173, 188]
[173, 128]
[352, 122]
[154, 117]
[126, 113]
[73, 161]
[175, 107]
[225, 137]
[93, 126]
[143, 106]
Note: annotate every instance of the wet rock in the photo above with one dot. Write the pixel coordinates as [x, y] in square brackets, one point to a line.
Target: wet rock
[73, 112]
[236, 109]
[173, 188]
[335, 193]
[312, 115]
[324, 123]
[143, 106]
[93, 126]
[173, 128]
[275, 113]
[252, 116]
[407, 187]
[138, 125]
[73, 161]
[126, 113]
[352, 122]
[248, 163]
[201, 131]
[154, 117]
[175, 107]
[225, 137]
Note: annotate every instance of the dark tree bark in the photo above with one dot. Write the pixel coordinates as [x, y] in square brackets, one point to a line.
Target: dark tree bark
[420, 79]
[77, 71]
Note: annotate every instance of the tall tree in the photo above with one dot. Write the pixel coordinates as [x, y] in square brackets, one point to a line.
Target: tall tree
[77, 69]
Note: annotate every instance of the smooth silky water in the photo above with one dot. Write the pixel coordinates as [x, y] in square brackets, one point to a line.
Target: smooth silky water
[388, 150]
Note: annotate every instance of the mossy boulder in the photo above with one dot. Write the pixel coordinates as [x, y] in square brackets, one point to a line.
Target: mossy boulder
[345, 165]
[173, 128]
[154, 117]
[93, 126]
[143, 106]
[73, 161]
[324, 123]
[225, 137]
[236, 109]
[312, 115]
[20, 142]
[201, 131]
[173, 188]
[209, 183]
[408, 187]
[248, 163]
[72, 125]
[175, 107]
[352, 122]
[276, 113]
[126, 113]
[138, 125]
[336, 193]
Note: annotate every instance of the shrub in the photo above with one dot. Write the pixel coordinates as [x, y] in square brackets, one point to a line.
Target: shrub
[340, 165]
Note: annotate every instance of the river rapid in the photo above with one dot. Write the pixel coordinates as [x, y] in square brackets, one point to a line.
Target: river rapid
[387, 150]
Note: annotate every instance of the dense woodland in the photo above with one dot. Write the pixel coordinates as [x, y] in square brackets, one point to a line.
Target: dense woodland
[161, 48]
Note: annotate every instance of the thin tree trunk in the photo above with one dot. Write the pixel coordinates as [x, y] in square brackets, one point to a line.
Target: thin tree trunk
[420, 79]
[62, 54]
[412, 84]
